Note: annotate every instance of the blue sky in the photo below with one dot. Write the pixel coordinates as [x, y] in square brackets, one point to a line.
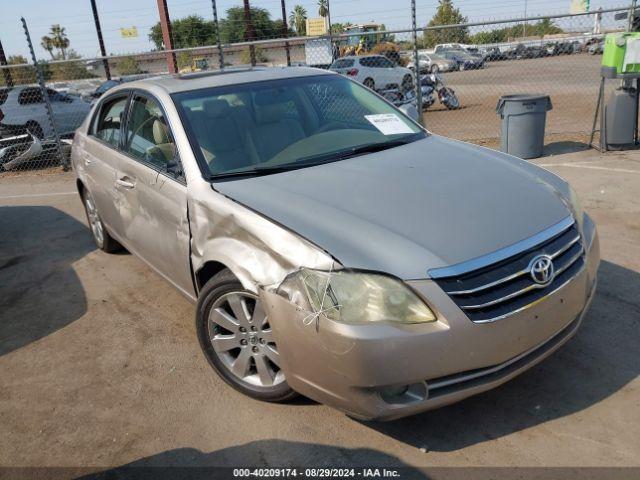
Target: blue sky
[76, 16]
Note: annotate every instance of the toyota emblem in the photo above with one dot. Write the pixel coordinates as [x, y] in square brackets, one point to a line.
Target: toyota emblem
[542, 270]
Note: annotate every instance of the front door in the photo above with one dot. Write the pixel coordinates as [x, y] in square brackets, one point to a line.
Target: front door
[153, 193]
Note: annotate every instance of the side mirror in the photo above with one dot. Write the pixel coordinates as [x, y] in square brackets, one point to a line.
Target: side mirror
[174, 168]
[410, 110]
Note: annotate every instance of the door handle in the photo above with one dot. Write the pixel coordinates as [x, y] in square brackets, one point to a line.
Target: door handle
[87, 158]
[125, 182]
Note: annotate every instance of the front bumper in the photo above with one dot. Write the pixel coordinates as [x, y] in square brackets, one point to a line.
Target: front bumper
[365, 369]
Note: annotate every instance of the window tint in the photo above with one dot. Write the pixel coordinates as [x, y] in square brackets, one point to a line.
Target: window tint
[4, 93]
[108, 124]
[148, 136]
[343, 63]
[30, 96]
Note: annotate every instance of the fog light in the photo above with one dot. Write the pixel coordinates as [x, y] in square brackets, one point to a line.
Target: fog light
[394, 391]
[404, 394]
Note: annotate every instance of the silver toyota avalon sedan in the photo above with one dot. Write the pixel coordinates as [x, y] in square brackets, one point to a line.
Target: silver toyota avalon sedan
[335, 248]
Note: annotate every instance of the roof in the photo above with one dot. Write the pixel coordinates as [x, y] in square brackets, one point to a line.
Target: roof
[230, 76]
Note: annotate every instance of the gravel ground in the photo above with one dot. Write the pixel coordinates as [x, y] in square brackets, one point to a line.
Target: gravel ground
[100, 366]
[572, 82]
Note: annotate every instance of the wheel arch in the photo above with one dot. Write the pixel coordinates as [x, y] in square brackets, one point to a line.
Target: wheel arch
[207, 271]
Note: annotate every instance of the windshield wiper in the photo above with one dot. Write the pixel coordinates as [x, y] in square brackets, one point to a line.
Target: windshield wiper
[255, 172]
[372, 148]
[315, 160]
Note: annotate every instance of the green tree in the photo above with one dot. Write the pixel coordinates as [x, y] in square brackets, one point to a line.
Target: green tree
[47, 44]
[499, 35]
[232, 28]
[68, 70]
[338, 28]
[16, 60]
[446, 14]
[128, 66]
[191, 31]
[323, 8]
[60, 39]
[546, 27]
[298, 19]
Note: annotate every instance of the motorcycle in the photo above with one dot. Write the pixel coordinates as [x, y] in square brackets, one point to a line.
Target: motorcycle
[434, 83]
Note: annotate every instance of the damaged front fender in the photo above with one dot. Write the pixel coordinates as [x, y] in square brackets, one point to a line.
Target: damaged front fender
[258, 251]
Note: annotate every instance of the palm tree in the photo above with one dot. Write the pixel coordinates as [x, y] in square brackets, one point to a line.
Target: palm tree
[47, 44]
[323, 8]
[60, 39]
[298, 19]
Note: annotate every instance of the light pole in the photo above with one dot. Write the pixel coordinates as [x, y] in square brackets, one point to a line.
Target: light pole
[524, 25]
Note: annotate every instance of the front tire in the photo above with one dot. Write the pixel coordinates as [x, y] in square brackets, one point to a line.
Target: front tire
[236, 337]
[369, 83]
[99, 232]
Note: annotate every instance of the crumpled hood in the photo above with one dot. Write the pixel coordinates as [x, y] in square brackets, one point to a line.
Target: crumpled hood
[428, 204]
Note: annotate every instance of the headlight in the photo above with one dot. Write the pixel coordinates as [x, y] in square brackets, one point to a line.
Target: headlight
[353, 297]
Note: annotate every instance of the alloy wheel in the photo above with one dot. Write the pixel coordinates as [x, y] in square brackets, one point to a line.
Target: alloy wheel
[94, 219]
[242, 338]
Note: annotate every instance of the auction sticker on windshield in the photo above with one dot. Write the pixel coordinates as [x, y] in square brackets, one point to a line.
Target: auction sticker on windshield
[388, 123]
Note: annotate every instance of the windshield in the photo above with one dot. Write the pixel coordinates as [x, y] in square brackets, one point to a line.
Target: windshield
[290, 123]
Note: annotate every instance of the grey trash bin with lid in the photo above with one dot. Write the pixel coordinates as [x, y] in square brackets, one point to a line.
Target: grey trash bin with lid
[523, 121]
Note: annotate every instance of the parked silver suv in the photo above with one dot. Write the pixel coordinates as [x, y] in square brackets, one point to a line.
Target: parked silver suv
[333, 246]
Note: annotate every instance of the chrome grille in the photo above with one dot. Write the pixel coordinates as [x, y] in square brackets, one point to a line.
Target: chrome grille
[507, 286]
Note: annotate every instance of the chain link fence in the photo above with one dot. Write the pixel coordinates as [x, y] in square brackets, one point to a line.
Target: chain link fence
[457, 84]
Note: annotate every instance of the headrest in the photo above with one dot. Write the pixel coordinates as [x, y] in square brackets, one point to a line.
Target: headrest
[270, 113]
[160, 134]
[215, 108]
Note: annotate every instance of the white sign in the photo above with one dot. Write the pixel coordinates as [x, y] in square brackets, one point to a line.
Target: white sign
[388, 123]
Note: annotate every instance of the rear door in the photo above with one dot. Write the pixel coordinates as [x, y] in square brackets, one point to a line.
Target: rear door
[153, 193]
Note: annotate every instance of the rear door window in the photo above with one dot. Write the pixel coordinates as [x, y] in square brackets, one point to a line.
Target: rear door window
[4, 93]
[30, 96]
[343, 63]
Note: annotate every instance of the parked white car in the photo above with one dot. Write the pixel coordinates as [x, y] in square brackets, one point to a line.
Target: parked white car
[25, 107]
[374, 71]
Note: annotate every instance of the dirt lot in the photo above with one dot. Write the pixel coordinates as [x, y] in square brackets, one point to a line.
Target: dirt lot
[100, 366]
[571, 81]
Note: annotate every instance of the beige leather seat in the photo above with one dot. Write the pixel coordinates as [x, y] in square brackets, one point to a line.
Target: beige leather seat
[273, 131]
[164, 150]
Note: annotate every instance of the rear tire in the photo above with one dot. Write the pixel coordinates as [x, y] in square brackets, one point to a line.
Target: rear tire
[236, 337]
[99, 232]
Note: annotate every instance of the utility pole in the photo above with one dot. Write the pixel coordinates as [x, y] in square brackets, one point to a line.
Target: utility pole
[524, 25]
[249, 32]
[416, 62]
[167, 38]
[218, 41]
[329, 29]
[47, 101]
[285, 31]
[103, 52]
[6, 72]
